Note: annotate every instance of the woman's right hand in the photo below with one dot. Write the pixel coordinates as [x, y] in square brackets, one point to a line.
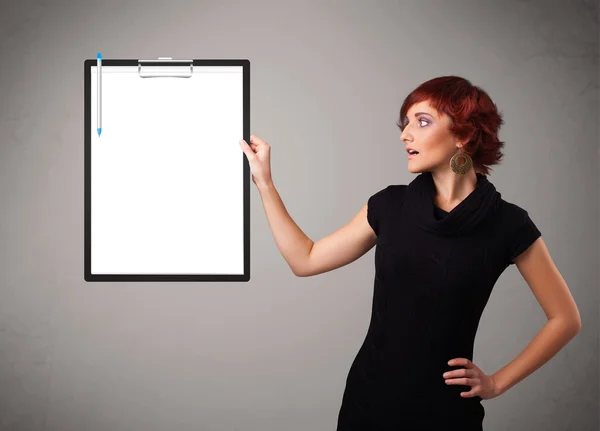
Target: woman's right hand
[259, 157]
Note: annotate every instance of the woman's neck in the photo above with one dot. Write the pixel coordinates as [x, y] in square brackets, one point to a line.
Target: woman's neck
[452, 189]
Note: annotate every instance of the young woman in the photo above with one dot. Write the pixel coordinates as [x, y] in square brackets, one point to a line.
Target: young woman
[442, 242]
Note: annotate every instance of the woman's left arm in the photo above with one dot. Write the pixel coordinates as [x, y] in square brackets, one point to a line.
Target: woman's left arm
[564, 322]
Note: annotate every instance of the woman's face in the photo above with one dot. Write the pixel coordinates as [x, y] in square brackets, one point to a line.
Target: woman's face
[427, 131]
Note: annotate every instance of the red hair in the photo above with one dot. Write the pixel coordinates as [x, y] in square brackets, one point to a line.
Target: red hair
[474, 117]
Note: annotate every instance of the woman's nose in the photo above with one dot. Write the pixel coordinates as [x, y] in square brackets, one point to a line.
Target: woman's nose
[404, 136]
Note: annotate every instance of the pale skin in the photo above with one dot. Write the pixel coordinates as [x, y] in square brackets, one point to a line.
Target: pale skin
[427, 132]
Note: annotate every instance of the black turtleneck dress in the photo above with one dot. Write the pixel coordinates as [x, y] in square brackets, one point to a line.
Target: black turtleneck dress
[434, 273]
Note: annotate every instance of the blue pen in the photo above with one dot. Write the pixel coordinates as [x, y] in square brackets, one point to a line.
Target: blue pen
[99, 96]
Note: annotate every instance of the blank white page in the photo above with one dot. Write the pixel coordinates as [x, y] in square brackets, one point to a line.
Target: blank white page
[166, 173]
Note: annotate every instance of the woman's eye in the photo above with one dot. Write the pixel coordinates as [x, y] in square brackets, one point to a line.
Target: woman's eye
[402, 126]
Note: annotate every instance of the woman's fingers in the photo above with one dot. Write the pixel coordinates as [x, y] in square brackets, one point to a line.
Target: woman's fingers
[481, 384]
[463, 372]
[256, 144]
[258, 155]
[247, 149]
[256, 140]
[466, 381]
[463, 376]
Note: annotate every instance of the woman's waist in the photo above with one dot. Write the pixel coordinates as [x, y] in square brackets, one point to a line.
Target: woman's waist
[405, 361]
[402, 342]
[426, 396]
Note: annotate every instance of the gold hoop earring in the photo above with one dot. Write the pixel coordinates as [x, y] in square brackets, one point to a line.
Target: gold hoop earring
[465, 167]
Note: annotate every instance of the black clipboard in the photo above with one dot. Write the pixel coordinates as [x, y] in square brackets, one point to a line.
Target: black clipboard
[156, 69]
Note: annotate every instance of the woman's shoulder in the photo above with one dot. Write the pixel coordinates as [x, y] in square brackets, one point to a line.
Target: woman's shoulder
[511, 209]
[517, 228]
[512, 215]
[390, 190]
[391, 194]
[387, 198]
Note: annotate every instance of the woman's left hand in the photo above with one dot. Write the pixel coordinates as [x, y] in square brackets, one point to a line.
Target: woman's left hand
[481, 384]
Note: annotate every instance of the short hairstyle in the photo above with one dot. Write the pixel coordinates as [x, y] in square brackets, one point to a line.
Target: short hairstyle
[474, 116]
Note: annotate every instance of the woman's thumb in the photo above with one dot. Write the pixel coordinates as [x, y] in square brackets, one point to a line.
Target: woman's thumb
[247, 150]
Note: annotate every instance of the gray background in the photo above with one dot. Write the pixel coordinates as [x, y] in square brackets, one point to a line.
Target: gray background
[328, 79]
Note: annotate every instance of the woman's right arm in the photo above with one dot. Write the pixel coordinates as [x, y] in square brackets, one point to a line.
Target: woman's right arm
[306, 257]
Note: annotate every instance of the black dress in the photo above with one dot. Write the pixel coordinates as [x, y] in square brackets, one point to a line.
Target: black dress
[434, 273]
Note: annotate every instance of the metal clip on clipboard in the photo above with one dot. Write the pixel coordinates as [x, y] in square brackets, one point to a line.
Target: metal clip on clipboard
[165, 67]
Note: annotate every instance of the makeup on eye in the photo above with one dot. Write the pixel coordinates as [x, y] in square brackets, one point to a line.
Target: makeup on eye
[403, 125]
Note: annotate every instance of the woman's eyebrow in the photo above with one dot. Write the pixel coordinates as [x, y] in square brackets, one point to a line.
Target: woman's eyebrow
[423, 113]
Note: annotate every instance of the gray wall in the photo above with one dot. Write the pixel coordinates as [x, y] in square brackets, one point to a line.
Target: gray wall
[328, 79]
